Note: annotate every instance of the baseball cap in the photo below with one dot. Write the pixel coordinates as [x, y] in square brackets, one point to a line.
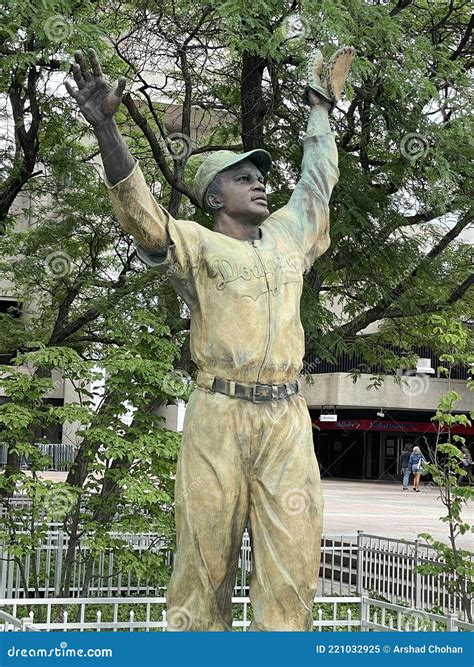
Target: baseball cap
[221, 160]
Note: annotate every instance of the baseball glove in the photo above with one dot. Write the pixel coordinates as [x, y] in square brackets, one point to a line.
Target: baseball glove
[332, 84]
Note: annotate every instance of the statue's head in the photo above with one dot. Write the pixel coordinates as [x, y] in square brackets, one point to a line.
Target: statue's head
[234, 184]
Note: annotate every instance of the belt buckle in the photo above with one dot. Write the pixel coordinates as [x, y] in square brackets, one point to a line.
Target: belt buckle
[274, 392]
[254, 394]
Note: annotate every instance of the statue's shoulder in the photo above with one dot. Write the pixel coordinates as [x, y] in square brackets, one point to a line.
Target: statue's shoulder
[279, 222]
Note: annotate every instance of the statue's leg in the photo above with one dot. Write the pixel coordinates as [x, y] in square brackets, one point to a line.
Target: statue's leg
[211, 495]
[286, 514]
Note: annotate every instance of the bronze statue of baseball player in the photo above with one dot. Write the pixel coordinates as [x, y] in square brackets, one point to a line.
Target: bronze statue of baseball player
[247, 453]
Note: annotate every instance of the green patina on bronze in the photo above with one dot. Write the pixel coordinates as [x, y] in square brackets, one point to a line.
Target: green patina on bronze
[243, 463]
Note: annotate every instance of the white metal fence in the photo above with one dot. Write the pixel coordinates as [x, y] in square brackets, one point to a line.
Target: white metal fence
[44, 568]
[362, 564]
[62, 455]
[149, 614]
[10, 623]
[387, 567]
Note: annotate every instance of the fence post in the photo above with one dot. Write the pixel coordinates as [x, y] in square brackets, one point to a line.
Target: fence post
[364, 613]
[5, 560]
[417, 597]
[359, 586]
[11, 569]
[451, 623]
[59, 563]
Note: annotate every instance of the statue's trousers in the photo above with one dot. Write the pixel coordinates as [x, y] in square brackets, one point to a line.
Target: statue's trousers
[245, 464]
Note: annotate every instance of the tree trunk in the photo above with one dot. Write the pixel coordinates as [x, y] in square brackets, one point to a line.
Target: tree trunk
[251, 99]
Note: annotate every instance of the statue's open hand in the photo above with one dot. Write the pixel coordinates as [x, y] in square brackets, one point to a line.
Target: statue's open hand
[96, 99]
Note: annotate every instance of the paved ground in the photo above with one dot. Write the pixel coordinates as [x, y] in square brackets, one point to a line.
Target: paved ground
[379, 509]
[384, 509]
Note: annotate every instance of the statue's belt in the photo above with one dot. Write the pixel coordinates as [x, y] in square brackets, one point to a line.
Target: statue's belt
[257, 393]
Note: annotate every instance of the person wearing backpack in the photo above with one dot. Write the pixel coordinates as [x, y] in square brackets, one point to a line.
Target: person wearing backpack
[466, 460]
[416, 462]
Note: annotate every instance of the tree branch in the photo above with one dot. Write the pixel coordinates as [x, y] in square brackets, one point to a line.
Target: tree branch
[383, 307]
[426, 308]
[27, 142]
[157, 151]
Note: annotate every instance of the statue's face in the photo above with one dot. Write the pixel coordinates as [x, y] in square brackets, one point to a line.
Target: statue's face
[242, 193]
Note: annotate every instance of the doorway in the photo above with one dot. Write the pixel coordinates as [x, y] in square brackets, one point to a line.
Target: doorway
[391, 448]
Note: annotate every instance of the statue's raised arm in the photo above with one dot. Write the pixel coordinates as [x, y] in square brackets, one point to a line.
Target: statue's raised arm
[98, 103]
[247, 454]
[307, 213]
[135, 207]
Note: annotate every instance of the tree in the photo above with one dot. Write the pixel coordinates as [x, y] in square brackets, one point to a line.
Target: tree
[86, 303]
[447, 473]
[404, 136]
[124, 476]
[222, 77]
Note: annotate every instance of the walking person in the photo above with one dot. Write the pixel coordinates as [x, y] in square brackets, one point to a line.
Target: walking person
[404, 465]
[466, 463]
[416, 462]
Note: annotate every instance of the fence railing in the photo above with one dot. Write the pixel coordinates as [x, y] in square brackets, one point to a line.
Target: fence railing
[9, 623]
[387, 566]
[43, 568]
[149, 614]
[349, 360]
[61, 455]
[362, 564]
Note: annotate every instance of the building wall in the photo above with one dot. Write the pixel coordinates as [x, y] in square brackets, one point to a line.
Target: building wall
[418, 392]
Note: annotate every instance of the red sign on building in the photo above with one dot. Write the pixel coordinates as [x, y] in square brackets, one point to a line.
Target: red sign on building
[390, 426]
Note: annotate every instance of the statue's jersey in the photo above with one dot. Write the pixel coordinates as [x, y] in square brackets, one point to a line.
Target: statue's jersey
[243, 463]
[243, 296]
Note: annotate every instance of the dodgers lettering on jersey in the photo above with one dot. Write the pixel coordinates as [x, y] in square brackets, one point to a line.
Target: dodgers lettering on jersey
[243, 296]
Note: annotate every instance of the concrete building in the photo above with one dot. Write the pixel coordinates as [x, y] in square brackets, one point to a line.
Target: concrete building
[360, 432]
[63, 440]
